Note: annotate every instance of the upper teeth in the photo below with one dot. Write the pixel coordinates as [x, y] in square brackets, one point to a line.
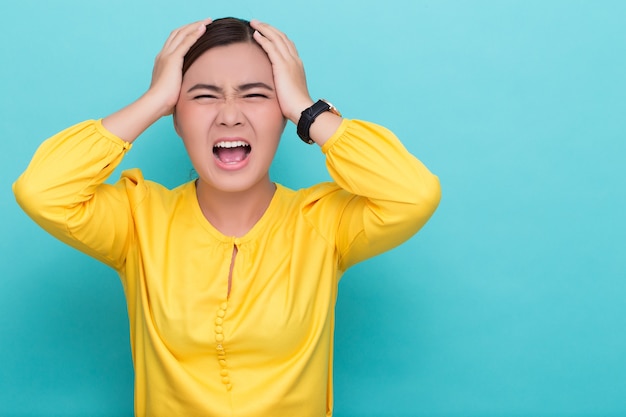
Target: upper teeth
[231, 144]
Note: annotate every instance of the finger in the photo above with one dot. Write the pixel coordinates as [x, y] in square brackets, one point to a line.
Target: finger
[276, 51]
[192, 30]
[186, 40]
[283, 44]
[184, 33]
[267, 30]
[173, 35]
[275, 36]
[267, 45]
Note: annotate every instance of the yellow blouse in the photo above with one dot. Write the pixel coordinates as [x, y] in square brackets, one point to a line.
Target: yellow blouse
[265, 348]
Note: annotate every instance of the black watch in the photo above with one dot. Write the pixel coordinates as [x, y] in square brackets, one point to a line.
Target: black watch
[309, 115]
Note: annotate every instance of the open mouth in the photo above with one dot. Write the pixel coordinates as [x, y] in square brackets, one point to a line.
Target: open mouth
[231, 152]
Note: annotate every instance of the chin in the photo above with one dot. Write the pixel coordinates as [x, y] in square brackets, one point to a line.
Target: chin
[235, 184]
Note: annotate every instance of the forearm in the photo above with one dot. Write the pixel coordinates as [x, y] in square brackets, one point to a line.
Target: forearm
[131, 121]
[324, 127]
[368, 160]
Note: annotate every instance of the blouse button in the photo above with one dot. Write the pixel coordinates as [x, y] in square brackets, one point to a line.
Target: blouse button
[224, 306]
[219, 321]
[226, 380]
[219, 337]
[221, 313]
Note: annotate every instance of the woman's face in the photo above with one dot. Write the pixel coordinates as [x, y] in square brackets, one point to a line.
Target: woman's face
[229, 117]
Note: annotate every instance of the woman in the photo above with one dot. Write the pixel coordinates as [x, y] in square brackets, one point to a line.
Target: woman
[231, 279]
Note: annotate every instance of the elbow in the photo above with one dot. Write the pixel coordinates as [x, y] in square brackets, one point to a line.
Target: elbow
[422, 204]
[31, 199]
[26, 196]
[426, 197]
[410, 213]
[433, 195]
[406, 216]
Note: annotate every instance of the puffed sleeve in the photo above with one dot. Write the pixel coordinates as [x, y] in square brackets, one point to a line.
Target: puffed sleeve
[64, 191]
[394, 194]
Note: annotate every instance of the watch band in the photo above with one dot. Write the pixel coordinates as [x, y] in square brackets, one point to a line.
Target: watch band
[308, 116]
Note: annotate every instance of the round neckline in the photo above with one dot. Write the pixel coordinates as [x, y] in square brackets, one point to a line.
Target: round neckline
[251, 234]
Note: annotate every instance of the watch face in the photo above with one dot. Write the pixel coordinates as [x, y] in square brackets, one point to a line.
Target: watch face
[332, 108]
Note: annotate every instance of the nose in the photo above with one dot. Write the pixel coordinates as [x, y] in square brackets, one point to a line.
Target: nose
[230, 114]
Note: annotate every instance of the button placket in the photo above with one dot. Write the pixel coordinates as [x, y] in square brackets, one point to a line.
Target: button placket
[219, 346]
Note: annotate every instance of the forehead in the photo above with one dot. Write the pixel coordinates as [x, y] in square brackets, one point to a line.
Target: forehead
[237, 62]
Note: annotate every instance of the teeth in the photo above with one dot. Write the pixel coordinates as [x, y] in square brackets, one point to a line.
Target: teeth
[231, 144]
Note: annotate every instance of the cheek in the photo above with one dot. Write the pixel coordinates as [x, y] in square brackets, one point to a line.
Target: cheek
[189, 118]
[189, 127]
[273, 118]
[273, 130]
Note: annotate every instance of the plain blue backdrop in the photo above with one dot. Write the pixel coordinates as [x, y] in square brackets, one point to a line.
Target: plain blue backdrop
[510, 302]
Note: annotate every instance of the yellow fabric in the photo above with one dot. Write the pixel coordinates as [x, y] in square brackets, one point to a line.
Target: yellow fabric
[265, 349]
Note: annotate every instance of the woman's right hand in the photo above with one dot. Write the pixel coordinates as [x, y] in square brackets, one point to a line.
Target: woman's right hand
[167, 78]
[167, 72]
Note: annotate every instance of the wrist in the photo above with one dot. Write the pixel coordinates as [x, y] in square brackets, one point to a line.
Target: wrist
[155, 105]
[319, 132]
[295, 115]
[129, 122]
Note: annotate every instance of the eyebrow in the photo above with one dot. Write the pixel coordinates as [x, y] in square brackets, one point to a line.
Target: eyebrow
[242, 87]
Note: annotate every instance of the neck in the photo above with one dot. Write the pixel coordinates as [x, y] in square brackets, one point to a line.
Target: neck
[234, 213]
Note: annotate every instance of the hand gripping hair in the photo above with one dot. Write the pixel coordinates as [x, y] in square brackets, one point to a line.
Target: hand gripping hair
[220, 32]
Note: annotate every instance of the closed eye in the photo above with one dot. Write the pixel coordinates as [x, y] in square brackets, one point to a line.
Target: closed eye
[204, 96]
[256, 95]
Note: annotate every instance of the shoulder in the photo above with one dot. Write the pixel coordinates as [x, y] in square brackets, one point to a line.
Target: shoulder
[306, 197]
[321, 205]
[139, 190]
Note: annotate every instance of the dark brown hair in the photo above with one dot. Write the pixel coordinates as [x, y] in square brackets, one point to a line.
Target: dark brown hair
[220, 32]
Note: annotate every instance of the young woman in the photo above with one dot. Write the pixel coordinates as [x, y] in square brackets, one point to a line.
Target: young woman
[230, 279]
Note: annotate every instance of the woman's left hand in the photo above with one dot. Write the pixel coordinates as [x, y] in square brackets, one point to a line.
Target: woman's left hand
[288, 70]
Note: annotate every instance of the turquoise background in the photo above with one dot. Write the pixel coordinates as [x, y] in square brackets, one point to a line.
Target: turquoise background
[510, 302]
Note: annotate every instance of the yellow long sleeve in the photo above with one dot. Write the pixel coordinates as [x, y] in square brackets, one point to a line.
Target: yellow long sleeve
[264, 348]
[395, 194]
[63, 191]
